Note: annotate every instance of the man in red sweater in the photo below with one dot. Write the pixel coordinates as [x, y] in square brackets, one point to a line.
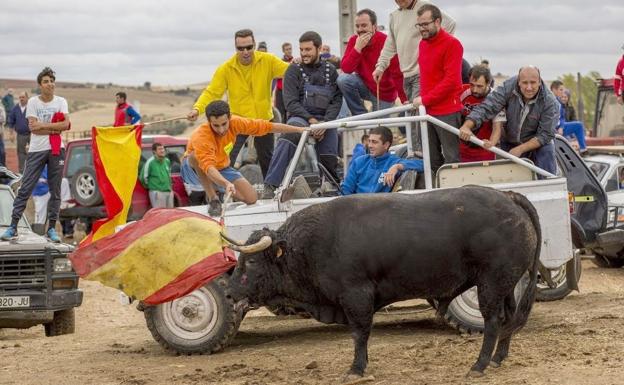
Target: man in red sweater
[440, 62]
[358, 63]
[618, 85]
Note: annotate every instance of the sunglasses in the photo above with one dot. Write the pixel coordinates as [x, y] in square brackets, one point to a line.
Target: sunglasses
[245, 48]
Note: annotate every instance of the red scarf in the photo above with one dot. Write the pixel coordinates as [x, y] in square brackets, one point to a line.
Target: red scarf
[55, 139]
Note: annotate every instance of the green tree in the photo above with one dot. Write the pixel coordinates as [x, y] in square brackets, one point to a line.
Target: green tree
[589, 90]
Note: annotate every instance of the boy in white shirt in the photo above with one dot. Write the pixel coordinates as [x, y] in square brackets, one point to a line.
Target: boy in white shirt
[47, 116]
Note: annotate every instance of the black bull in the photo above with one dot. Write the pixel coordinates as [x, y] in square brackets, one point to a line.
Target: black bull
[345, 259]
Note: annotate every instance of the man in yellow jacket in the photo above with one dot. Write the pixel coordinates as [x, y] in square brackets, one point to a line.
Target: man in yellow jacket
[247, 78]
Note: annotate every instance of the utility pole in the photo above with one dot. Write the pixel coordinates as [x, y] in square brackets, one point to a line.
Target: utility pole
[346, 20]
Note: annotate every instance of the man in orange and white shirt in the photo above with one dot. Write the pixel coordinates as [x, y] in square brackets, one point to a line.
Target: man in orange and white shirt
[209, 147]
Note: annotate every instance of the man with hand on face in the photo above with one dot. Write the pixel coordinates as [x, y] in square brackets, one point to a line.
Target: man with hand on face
[311, 96]
[357, 83]
[209, 146]
[440, 61]
[247, 78]
[377, 171]
[531, 113]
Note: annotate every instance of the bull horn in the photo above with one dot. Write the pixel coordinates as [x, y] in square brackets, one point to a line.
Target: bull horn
[232, 241]
[262, 244]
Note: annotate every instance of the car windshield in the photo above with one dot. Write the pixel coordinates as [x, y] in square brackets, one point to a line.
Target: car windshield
[6, 208]
[174, 153]
[598, 168]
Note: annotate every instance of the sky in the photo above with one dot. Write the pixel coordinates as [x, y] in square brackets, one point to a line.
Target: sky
[182, 42]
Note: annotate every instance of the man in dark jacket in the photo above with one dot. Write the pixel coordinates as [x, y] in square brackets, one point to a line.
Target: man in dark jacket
[311, 96]
[532, 115]
[17, 121]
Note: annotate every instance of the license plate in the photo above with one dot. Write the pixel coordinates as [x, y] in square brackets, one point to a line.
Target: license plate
[13, 302]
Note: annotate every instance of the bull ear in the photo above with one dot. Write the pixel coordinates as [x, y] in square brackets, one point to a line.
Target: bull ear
[279, 247]
[278, 253]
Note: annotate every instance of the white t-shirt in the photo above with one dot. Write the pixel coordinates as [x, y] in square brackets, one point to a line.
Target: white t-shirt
[43, 112]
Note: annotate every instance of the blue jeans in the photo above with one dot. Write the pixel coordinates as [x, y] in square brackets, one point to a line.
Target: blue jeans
[543, 157]
[355, 92]
[326, 150]
[577, 130]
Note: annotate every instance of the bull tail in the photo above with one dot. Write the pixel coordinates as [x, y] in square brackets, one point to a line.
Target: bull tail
[525, 304]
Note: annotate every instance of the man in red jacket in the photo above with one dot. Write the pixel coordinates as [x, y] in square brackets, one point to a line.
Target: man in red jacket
[358, 63]
[618, 85]
[440, 62]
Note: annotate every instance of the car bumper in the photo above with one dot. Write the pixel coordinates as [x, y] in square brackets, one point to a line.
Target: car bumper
[42, 307]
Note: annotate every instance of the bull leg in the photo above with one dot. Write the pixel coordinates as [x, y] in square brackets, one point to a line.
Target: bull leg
[358, 307]
[490, 335]
[502, 349]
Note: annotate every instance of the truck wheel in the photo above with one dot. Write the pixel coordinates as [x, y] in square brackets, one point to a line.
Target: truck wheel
[64, 322]
[464, 314]
[607, 262]
[202, 322]
[546, 294]
[84, 187]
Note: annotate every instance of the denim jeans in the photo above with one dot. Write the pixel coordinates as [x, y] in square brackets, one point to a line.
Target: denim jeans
[355, 92]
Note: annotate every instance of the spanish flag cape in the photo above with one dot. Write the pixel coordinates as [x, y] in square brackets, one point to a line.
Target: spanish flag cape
[167, 254]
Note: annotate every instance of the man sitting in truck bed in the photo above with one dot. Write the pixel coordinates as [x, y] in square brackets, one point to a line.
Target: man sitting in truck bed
[377, 171]
[209, 148]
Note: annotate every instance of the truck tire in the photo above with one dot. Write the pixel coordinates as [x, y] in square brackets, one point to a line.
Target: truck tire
[84, 187]
[64, 322]
[607, 262]
[202, 322]
[546, 294]
[463, 312]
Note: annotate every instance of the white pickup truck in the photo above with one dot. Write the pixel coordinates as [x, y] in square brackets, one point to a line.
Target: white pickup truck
[208, 331]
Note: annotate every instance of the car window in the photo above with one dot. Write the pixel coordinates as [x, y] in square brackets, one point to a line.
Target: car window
[174, 153]
[79, 156]
[613, 183]
[598, 168]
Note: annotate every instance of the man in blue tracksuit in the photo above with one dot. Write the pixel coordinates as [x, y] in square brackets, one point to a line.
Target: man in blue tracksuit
[378, 170]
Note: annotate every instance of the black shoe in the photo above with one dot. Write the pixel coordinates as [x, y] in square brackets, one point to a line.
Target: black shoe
[214, 208]
[269, 192]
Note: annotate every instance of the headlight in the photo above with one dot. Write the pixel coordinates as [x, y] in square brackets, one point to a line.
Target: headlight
[62, 265]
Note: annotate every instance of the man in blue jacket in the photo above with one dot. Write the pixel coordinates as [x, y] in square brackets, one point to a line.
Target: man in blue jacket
[377, 171]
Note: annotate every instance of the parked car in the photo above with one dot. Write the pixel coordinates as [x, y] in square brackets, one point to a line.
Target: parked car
[80, 173]
[37, 282]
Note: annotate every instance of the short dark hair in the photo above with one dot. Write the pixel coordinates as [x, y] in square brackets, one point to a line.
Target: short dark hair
[555, 84]
[155, 146]
[384, 132]
[481, 70]
[364, 137]
[244, 33]
[284, 45]
[217, 108]
[485, 61]
[122, 94]
[312, 36]
[371, 14]
[47, 71]
[435, 11]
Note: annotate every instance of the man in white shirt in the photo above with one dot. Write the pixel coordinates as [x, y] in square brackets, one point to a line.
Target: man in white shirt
[47, 116]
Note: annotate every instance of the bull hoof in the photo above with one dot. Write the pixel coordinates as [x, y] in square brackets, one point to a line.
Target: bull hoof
[351, 377]
[475, 374]
[495, 364]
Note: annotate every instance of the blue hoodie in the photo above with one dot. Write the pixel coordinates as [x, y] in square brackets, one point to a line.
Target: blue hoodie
[366, 173]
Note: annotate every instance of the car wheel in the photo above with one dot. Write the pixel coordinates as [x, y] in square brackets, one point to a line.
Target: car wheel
[202, 322]
[64, 322]
[607, 262]
[84, 187]
[559, 277]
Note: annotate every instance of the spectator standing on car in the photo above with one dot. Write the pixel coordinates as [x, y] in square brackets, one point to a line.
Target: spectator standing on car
[247, 78]
[618, 85]
[156, 178]
[279, 87]
[208, 147]
[358, 63]
[41, 196]
[473, 94]
[377, 171]
[312, 96]
[531, 112]
[47, 116]
[440, 62]
[18, 122]
[125, 114]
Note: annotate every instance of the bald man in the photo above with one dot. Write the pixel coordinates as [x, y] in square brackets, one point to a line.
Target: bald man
[532, 115]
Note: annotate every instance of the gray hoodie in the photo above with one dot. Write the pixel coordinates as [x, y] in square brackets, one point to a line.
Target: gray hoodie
[538, 120]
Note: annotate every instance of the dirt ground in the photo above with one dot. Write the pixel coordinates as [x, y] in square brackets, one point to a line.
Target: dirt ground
[578, 340]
